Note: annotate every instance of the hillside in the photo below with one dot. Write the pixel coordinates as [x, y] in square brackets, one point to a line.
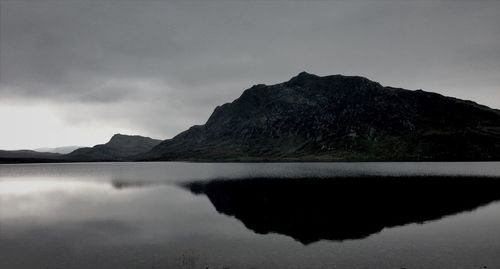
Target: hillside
[119, 148]
[28, 156]
[338, 118]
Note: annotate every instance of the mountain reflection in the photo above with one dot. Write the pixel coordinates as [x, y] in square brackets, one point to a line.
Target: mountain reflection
[313, 209]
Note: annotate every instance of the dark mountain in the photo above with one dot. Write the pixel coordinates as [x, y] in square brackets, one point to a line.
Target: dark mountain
[336, 118]
[119, 148]
[23, 156]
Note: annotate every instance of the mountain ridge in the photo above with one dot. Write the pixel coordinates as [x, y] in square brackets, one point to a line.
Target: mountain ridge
[119, 148]
[338, 118]
[28, 156]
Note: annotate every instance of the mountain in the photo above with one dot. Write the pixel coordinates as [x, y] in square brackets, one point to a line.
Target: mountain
[21, 156]
[119, 148]
[338, 118]
[61, 150]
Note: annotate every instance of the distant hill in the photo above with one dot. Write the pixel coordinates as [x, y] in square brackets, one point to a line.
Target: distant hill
[20, 156]
[119, 148]
[338, 118]
[61, 150]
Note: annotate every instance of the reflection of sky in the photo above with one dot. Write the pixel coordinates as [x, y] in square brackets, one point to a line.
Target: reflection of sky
[56, 202]
[41, 185]
[94, 218]
[70, 216]
[169, 172]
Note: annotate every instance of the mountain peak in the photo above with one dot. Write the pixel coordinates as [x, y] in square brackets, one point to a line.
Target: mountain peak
[123, 139]
[119, 136]
[119, 147]
[305, 74]
[302, 77]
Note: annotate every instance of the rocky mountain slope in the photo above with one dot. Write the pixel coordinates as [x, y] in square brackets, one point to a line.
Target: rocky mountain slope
[338, 118]
[119, 148]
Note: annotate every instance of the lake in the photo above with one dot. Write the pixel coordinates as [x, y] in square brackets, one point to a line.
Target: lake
[250, 215]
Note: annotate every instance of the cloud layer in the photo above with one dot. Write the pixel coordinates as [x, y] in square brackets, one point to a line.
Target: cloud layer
[155, 68]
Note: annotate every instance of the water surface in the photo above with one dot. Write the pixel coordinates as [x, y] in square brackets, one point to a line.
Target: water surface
[235, 215]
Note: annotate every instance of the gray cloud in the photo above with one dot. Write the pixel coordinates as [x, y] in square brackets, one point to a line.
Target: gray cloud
[159, 67]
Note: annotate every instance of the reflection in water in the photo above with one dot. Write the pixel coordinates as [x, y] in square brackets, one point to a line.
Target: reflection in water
[135, 215]
[312, 209]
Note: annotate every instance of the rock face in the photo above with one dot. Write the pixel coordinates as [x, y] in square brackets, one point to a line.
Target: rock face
[119, 148]
[337, 118]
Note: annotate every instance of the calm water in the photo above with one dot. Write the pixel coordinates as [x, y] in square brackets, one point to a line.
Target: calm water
[286, 215]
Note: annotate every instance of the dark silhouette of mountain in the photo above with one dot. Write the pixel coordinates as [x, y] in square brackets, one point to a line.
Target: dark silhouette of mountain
[313, 209]
[336, 118]
[60, 150]
[21, 156]
[119, 148]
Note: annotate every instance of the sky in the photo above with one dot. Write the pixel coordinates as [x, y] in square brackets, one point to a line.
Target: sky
[77, 72]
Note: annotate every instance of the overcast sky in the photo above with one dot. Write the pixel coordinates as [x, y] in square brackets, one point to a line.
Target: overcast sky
[76, 72]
